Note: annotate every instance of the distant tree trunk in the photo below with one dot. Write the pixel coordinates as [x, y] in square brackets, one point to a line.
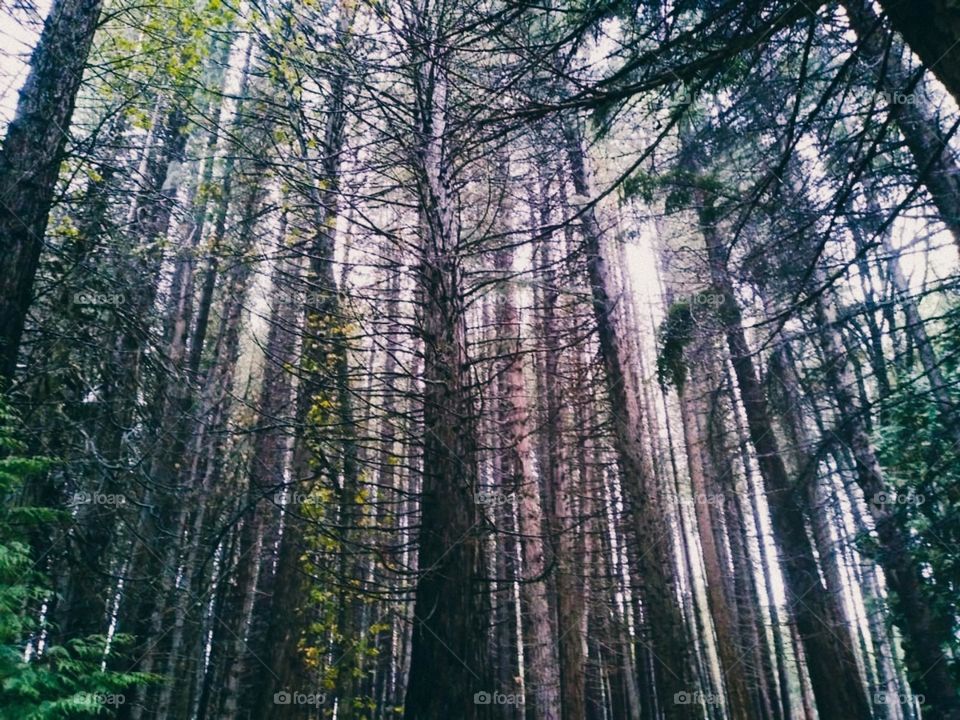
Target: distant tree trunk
[833, 668]
[325, 444]
[183, 526]
[502, 546]
[691, 597]
[751, 513]
[610, 629]
[742, 589]
[389, 479]
[543, 686]
[690, 603]
[692, 414]
[558, 485]
[207, 453]
[891, 671]
[221, 208]
[30, 160]
[264, 485]
[174, 397]
[924, 631]
[932, 29]
[874, 318]
[322, 407]
[668, 635]
[808, 479]
[84, 604]
[753, 632]
[322, 353]
[695, 600]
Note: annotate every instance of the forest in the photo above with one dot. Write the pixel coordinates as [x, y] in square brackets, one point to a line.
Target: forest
[480, 359]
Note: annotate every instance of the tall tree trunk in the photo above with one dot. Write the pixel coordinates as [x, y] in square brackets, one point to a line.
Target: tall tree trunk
[833, 668]
[728, 508]
[924, 632]
[558, 482]
[325, 444]
[807, 477]
[389, 481]
[692, 415]
[85, 601]
[451, 605]
[752, 513]
[543, 685]
[265, 482]
[222, 206]
[668, 635]
[30, 160]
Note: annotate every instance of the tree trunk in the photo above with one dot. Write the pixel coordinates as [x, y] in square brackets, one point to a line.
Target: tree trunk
[668, 635]
[543, 685]
[833, 668]
[724, 624]
[451, 605]
[84, 603]
[30, 161]
[752, 514]
[924, 632]
[558, 484]
[932, 29]
[807, 477]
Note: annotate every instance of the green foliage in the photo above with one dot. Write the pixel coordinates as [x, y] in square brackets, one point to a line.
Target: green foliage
[915, 445]
[676, 332]
[641, 185]
[677, 188]
[65, 681]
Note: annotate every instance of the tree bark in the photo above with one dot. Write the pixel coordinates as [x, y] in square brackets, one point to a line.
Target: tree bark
[558, 483]
[691, 414]
[932, 29]
[451, 605]
[668, 635]
[833, 669]
[30, 161]
[543, 685]
[924, 632]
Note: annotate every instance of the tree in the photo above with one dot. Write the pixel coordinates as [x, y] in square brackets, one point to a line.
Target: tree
[30, 159]
[340, 322]
[932, 28]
